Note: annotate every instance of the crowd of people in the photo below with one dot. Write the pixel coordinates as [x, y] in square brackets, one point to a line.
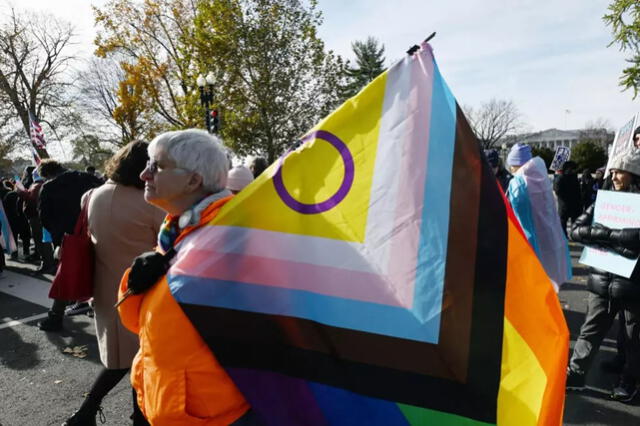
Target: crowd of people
[155, 194]
[611, 296]
[178, 174]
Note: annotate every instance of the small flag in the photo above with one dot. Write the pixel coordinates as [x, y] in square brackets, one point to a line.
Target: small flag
[37, 135]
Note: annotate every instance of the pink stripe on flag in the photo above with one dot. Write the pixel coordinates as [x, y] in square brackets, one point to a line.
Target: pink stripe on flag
[414, 135]
[324, 280]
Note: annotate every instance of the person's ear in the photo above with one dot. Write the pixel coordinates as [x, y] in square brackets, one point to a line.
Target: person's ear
[194, 182]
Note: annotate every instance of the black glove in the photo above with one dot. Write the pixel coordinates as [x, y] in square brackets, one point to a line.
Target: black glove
[147, 269]
[600, 233]
[626, 252]
[626, 237]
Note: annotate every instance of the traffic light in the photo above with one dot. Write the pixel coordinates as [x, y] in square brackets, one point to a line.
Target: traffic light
[215, 121]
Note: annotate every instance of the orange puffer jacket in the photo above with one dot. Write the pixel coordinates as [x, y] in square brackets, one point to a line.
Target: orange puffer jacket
[177, 378]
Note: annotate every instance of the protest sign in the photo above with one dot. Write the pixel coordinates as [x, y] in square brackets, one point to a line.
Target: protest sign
[616, 210]
[563, 153]
[623, 142]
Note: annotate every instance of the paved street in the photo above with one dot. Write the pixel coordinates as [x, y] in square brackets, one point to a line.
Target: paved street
[40, 384]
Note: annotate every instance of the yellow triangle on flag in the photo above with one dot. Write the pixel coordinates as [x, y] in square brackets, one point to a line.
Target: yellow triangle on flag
[322, 188]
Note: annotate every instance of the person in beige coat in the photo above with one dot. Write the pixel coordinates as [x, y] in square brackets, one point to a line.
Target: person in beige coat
[122, 226]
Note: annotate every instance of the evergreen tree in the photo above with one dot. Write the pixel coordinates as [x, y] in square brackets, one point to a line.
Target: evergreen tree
[624, 20]
[369, 64]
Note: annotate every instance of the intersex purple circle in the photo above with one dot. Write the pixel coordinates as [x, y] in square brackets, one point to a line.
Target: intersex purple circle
[335, 199]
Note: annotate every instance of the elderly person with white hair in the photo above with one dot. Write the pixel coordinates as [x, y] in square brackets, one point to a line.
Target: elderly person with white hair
[177, 378]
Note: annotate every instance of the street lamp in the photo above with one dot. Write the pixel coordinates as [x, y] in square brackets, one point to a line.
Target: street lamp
[206, 86]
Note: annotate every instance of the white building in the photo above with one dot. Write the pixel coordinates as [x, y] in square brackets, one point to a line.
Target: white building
[552, 138]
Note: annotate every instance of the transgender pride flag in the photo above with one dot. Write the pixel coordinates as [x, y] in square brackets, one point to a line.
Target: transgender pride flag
[7, 241]
[376, 276]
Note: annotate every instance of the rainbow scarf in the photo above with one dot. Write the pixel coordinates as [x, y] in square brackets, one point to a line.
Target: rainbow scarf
[376, 275]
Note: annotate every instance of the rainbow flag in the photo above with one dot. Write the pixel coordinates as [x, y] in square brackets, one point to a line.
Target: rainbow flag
[376, 275]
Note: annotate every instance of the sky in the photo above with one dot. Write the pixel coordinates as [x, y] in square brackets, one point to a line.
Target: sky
[549, 57]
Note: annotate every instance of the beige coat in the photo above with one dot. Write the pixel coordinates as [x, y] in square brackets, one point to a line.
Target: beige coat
[122, 226]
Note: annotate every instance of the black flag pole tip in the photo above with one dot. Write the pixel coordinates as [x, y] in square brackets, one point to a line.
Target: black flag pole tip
[413, 49]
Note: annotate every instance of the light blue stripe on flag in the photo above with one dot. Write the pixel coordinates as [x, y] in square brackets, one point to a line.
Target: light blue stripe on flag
[432, 251]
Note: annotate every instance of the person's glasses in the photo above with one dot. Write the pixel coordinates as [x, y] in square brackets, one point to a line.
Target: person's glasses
[152, 167]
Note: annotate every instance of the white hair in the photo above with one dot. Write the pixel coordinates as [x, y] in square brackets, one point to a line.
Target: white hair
[197, 151]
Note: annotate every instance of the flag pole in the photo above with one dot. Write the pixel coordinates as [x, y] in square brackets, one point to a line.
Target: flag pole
[64, 153]
[413, 49]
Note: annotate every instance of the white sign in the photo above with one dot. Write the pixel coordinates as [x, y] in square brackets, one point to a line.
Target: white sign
[615, 210]
[563, 153]
[623, 142]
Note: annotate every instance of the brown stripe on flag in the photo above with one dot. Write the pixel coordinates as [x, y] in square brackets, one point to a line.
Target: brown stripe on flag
[457, 302]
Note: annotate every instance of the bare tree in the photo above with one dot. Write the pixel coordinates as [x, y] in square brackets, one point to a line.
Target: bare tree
[33, 67]
[494, 120]
[102, 87]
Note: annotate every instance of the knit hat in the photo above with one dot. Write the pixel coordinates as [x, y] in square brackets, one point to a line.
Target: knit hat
[238, 178]
[520, 153]
[628, 162]
[492, 157]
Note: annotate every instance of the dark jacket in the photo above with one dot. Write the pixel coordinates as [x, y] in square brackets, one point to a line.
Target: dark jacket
[15, 216]
[587, 191]
[567, 188]
[504, 177]
[625, 242]
[59, 204]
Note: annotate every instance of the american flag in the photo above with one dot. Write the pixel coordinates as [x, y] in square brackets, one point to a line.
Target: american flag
[37, 135]
[35, 157]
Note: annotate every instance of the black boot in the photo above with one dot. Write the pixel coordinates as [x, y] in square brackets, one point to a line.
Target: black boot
[85, 416]
[52, 323]
[45, 268]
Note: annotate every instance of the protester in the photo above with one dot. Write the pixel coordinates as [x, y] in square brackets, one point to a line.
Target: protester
[531, 198]
[33, 182]
[5, 187]
[257, 166]
[611, 293]
[499, 171]
[177, 378]
[17, 220]
[27, 176]
[587, 191]
[238, 178]
[59, 209]
[567, 189]
[598, 182]
[122, 225]
[60, 197]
